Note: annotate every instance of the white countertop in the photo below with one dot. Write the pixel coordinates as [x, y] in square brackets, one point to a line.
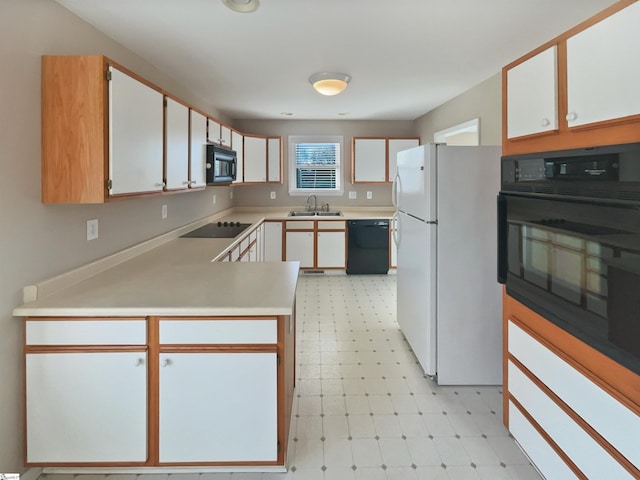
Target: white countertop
[178, 278]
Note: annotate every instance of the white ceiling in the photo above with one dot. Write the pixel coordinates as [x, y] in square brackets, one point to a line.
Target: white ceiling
[406, 57]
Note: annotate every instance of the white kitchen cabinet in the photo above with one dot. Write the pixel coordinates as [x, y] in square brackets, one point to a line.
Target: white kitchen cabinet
[237, 144]
[532, 95]
[255, 159]
[225, 136]
[218, 406]
[177, 145]
[299, 246]
[331, 249]
[136, 135]
[603, 72]
[273, 241]
[213, 131]
[274, 160]
[395, 145]
[369, 160]
[86, 407]
[198, 152]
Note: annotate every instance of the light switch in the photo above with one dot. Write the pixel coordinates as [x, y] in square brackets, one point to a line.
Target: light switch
[164, 211]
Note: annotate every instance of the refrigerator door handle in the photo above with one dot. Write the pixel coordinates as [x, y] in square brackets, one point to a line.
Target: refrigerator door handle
[394, 190]
[396, 231]
[502, 238]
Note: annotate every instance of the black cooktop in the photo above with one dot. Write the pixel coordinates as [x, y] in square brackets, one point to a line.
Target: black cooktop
[218, 230]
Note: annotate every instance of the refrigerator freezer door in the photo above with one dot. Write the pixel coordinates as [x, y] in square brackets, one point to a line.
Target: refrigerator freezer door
[416, 282]
[416, 182]
[469, 298]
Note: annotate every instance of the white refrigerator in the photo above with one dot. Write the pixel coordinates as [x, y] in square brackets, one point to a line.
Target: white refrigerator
[449, 302]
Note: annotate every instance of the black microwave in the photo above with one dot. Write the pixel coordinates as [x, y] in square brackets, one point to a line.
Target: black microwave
[569, 243]
[221, 165]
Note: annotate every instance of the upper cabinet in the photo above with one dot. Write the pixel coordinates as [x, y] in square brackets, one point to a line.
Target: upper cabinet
[374, 159]
[237, 144]
[274, 160]
[255, 159]
[198, 150]
[102, 131]
[603, 69]
[579, 89]
[177, 145]
[135, 135]
[533, 95]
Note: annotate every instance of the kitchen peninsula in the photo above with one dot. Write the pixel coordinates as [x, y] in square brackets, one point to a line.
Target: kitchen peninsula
[162, 359]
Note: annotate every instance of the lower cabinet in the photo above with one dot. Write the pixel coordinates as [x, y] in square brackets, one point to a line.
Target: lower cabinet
[218, 407]
[570, 423]
[316, 244]
[86, 407]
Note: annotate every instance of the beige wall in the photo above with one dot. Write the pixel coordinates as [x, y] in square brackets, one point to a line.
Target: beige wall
[38, 241]
[260, 194]
[483, 101]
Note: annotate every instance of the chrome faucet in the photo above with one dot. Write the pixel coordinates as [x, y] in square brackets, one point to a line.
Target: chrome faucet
[315, 203]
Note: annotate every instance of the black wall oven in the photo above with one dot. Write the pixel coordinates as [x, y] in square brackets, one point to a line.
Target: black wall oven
[569, 243]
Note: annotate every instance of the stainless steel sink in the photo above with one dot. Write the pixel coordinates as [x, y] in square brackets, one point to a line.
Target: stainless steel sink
[295, 213]
[302, 214]
[329, 214]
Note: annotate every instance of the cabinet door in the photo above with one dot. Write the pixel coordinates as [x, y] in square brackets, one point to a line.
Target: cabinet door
[198, 156]
[136, 135]
[532, 95]
[255, 159]
[370, 160]
[273, 241]
[225, 136]
[603, 72]
[274, 160]
[218, 407]
[331, 250]
[86, 407]
[177, 145]
[213, 131]
[299, 246]
[396, 145]
[237, 143]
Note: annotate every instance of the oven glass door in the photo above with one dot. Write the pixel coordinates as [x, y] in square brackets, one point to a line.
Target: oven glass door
[578, 265]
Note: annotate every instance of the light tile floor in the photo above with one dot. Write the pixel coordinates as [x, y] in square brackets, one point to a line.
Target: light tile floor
[364, 409]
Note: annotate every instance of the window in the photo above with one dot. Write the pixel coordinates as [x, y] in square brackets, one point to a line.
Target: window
[315, 165]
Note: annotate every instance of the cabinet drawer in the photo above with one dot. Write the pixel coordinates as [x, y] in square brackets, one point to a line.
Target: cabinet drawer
[219, 331]
[579, 446]
[331, 225]
[620, 426]
[299, 225]
[86, 332]
[536, 447]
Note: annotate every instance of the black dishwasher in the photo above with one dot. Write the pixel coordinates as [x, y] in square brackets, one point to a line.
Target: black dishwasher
[368, 248]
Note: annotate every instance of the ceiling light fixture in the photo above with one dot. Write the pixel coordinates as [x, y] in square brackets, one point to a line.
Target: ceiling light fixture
[329, 83]
[242, 6]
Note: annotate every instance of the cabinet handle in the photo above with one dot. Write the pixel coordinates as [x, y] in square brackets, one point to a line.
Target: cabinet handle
[139, 362]
[188, 182]
[166, 362]
[545, 122]
[571, 116]
[161, 184]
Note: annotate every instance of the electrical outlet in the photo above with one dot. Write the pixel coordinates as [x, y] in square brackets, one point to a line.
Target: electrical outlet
[213, 199]
[272, 195]
[369, 195]
[353, 195]
[164, 211]
[230, 194]
[92, 229]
